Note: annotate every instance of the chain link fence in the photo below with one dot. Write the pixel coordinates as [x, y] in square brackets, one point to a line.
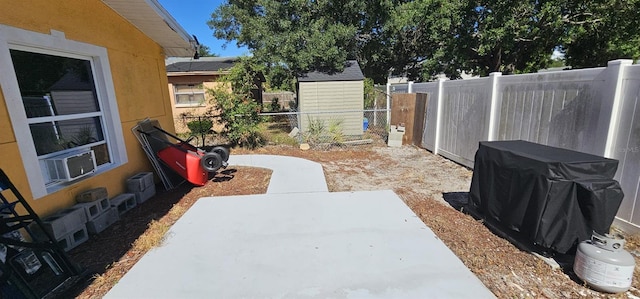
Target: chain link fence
[205, 128]
[335, 127]
[320, 129]
[317, 128]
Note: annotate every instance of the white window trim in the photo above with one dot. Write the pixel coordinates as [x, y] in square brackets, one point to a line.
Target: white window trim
[11, 37]
[182, 105]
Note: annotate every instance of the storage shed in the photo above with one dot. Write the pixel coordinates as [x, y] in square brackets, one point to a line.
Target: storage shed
[330, 97]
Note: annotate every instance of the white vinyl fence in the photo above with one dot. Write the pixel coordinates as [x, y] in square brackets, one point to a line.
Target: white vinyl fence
[595, 111]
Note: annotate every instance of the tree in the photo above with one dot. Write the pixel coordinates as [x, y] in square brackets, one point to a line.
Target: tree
[279, 77]
[508, 36]
[307, 35]
[423, 38]
[205, 51]
[607, 31]
[295, 33]
[421, 34]
[369, 94]
[512, 36]
[373, 50]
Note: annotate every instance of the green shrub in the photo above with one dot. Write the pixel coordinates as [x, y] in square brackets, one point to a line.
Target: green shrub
[241, 119]
[315, 131]
[318, 133]
[335, 131]
[275, 105]
[199, 127]
[293, 106]
[239, 113]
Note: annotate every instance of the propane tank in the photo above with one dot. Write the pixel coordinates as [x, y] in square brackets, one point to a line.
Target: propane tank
[603, 263]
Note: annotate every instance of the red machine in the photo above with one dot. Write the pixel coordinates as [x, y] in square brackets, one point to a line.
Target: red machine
[190, 162]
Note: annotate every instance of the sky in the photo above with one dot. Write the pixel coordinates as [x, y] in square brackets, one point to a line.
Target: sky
[193, 15]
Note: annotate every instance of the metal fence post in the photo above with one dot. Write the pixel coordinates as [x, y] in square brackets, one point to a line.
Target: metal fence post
[388, 103]
[375, 113]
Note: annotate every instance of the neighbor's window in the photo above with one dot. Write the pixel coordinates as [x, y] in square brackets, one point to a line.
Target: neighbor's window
[189, 94]
[61, 104]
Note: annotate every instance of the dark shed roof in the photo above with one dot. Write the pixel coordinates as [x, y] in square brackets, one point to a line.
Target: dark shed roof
[351, 72]
[213, 64]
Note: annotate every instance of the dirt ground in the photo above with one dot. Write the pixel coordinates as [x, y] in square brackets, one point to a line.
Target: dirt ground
[417, 176]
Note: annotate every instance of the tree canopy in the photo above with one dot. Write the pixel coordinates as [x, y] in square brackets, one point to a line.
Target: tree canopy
[607, 30]
[422, 38]
[205, 51]
[306, 35]
[295, 32]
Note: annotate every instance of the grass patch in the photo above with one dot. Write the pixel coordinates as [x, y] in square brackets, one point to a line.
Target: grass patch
[104, 280]
[276, 131]
[153, 237]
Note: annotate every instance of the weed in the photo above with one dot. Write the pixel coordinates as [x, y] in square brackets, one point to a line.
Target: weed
[152, 237]
[319, 134]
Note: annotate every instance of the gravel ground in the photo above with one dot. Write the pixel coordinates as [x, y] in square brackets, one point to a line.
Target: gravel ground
[417, 176]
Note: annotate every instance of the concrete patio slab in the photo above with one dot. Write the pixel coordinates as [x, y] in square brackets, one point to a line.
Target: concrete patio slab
[290, 174]
[300, 245]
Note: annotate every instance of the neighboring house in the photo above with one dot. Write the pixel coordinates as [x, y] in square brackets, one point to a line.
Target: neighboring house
[189, 80]
[333, 97]
[77, 75]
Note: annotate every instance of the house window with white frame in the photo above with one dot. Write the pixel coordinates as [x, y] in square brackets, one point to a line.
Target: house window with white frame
[59, 98]
[61, 102]
[189, 94]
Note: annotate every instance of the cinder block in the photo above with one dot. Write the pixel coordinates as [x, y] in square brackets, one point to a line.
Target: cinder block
[140, 182]
[395, 136]
[94, 208]
[92, 195]
[73, 239]
[104, 220]
[142, 196]
[124, 202]
[91, 209]
[105, 203]
[65, 221]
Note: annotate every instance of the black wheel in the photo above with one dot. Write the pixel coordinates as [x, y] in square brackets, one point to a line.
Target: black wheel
[211, 162]
[222, 151]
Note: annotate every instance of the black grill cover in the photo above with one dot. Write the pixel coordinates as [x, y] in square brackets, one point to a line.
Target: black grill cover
[553, 197]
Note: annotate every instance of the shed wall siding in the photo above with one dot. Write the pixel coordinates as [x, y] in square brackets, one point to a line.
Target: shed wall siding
[326, 100]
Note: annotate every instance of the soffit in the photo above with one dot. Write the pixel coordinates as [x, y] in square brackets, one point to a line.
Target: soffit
[155, 22]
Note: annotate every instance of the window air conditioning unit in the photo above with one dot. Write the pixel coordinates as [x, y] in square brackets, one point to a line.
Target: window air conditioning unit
[71, 166]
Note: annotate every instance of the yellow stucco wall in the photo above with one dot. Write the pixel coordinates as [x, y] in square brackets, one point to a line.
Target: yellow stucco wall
[138, 73]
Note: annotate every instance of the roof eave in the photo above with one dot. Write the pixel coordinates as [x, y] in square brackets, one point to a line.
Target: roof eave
[155, 22]
[330, 80]
[196, 73]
